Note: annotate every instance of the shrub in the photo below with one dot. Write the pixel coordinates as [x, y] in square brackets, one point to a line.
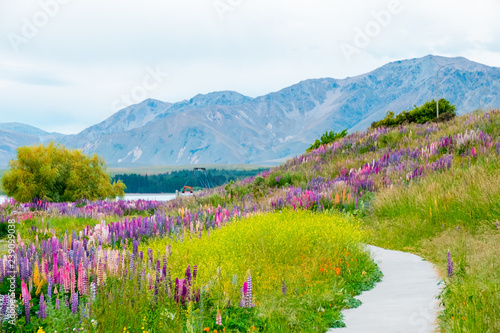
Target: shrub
[54, 173]
[327, 138]
[419, 115]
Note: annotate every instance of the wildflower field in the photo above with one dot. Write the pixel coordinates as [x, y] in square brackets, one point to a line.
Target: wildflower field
[281, 251]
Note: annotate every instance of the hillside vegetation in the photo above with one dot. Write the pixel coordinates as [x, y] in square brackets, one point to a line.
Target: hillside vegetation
[423, 188]
[223, 258]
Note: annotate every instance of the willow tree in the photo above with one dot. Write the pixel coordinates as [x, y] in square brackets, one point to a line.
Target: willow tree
[53, 173]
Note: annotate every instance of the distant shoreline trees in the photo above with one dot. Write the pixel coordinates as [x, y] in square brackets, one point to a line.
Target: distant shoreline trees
[54, 173]
[419, 115]
[175, 180]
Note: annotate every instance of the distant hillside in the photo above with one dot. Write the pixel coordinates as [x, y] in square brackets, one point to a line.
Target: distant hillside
[14, 135]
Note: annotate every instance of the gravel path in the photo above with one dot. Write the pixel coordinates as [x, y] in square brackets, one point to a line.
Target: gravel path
[405, 301]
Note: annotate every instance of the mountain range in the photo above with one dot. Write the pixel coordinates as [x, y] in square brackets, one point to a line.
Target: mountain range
[227, 127]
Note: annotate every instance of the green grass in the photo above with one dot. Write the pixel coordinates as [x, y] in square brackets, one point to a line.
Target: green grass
[57, 225]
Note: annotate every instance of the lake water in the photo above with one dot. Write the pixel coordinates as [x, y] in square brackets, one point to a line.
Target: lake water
[144, 196]
[150, 196]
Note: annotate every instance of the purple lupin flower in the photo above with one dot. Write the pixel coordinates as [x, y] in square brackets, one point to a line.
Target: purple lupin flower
[42, 314]
[3, 310]
[158, 270]
[188, 274]
[185, 292]
[93, 290]
[195, 270]
[135, 247]
[176, 294]
[198, 296]
[450, 265]
[283, 288]
[49, 288]
[58, 303]
[248, 294]
[150, 255]
[74, 302]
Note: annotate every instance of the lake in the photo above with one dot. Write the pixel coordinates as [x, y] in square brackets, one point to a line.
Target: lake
[137, 196]
[150, 196]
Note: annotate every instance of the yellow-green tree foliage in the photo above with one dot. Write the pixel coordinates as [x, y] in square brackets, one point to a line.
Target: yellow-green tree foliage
[54, 173]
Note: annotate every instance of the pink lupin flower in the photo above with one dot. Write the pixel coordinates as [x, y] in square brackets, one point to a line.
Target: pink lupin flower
[80, 278]
[72, 277]
[26, 299]
[218, 319]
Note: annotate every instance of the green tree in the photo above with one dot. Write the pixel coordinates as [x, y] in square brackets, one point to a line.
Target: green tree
[326, 138]
[420, 114]
[54, 173]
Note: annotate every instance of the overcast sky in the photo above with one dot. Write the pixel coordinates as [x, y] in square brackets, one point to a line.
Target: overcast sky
[68, 64]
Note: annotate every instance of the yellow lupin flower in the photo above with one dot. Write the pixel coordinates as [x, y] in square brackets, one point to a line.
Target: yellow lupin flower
[36, 275]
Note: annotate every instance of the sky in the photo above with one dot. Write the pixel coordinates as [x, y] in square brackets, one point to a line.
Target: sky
[68, 64]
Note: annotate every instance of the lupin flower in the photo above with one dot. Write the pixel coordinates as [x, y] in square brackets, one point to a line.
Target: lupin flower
[248, 294]
[188, 274]
[80, 279]
[218, 318]
[49, 288]
[74, 302]
[243, 292]
[198, 296]
[450, 265]
[283, 288]
[26, 300]
[93, 291]
[3, 310]
[42, 314]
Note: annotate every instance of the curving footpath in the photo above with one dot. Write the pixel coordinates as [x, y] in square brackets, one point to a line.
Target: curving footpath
[405, 301]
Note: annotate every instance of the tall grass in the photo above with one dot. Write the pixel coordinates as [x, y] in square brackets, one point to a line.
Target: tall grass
[458, 212]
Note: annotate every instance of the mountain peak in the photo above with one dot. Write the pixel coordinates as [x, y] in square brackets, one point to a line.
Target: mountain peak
[222, 98]
[228, 127]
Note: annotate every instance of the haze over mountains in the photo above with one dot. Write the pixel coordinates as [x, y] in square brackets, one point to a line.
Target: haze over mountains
[227, 127]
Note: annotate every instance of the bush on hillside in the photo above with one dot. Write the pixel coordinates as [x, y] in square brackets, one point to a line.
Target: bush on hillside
[421, 115]
[54, 173]
[326, 138]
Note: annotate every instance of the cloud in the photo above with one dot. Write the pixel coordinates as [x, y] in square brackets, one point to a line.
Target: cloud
[87, 54]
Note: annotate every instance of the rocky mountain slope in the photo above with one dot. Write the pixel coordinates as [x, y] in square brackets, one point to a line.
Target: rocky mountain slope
[227, 127]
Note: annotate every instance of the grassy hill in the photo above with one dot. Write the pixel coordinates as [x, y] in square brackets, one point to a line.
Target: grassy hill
[429, 189]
